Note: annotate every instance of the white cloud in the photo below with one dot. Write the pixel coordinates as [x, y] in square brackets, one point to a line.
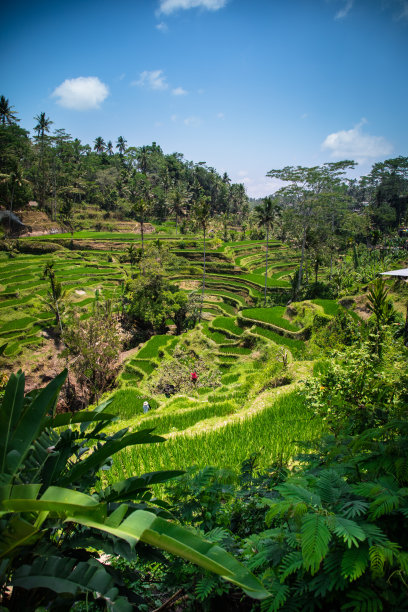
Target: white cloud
[342, 13]
[403, 14]
[355, 144]
[153, 79]
[304, 116]
[82, 93]
[169, 6]
[173, 117]
[163, 27]
[179, 91]
[220, 116]
[192, 121]
[257, 186]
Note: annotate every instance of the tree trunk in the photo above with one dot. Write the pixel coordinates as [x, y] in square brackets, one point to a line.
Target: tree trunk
[203, 289]
[176, 223]
[11, 207]
[266, 264]
[302, 258]
[142, 232]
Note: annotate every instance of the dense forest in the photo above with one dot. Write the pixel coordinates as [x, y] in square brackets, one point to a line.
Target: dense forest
[191, 375]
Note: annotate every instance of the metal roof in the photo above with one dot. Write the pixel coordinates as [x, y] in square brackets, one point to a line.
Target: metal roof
[403, 272]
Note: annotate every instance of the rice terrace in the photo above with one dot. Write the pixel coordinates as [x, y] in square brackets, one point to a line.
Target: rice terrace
[203, 365]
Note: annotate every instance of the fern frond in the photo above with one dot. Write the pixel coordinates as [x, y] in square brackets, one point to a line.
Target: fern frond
[315, 540]
[331, 486]
[205, 586]
[363, 599]
[290, 564]
[280, 593]
[353, 508]
[379, 555]
[294, 492]
[354, 562]
[279, 508]
[218, 534]
[344, 528]
[374, 535]
[384, 504]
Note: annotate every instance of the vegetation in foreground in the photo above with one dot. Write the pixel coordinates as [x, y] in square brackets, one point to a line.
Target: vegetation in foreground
[295, 484]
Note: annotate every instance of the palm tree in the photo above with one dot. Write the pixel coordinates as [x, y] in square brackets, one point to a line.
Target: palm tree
[121, 145]
[141, 209]
[99, 144]
[7, 115]
[43, 125]
[109, 147]
[266, 214]
[202, 212]
[56, 291]
[179, 197]
[42, 128]
[13, 179]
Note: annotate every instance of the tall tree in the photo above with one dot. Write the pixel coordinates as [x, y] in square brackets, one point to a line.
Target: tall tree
[7, 114]
[121, 145]
[202, 213]
[99, 144]
[266, 213]
[141, 209]
[179, 198]
[109, 148]
[303, 195]
[42, 129]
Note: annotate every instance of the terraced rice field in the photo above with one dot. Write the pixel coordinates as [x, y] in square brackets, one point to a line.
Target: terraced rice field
[208, 425]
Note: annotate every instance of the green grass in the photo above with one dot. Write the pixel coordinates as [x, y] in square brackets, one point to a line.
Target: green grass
[258, 279]
[272, 315]
[228, 324]
[273, 433]
[297, 347]
[128, 403]
[330, 307]
[217, 337]
[152, 346]
[235, 350]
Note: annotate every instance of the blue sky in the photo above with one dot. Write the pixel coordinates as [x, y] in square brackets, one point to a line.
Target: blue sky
[245, 85]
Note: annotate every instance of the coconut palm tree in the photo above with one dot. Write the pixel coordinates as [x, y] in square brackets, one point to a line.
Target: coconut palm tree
[266, 213]
[43, 125]
[7, 115]
[141, 209]
[202, 213]
[179, 197]
[109, 147]
[42, 128]
[99, 144]
[121, 145]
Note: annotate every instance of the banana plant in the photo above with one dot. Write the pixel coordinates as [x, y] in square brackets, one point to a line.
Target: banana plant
[52, 513]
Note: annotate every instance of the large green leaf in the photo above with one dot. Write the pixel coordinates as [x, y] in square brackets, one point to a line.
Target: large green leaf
[62, 576]
[99, 456]
[127, 489]
[69, 418]
[57, 501]
[10, 411]
[147, 527]
[17, 533]
[23, 425]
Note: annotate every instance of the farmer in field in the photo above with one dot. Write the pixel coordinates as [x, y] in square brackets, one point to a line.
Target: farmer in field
[146, 407]
[194, 377]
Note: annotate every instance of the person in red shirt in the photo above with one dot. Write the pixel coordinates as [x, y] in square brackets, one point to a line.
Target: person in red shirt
[194, 376]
